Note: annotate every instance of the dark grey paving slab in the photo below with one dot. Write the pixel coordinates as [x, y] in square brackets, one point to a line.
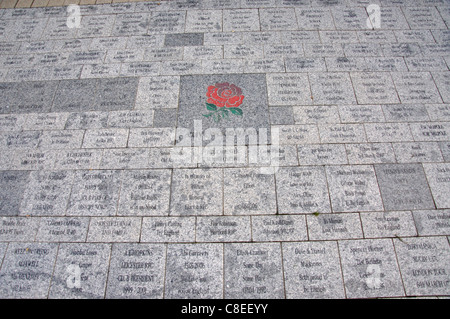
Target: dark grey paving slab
[116, 94]
[312, 270]
[27, 270]
[136, 271]
[33, 96]
[80, 271]
[192, 271]
[75, 96]
[13, 184]
[183, 39]
[403, 186]
[424, 264]
[253, 270]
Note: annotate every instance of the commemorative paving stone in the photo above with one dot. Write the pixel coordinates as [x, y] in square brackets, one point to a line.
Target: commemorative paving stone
[362, 49]
[285, 50]
[323, 50]
[163, 54]
[158, 92]
[442, 80]
[171, 157]
[424, 18]
[109, 43]
[253, 271]
[353, 188]
[203, 52]
[302, 190]
[279, 228]
[86, 120]
[388, 224]
[288, 89]
[168, 229]
[62, 229]
[432, 222]
[151, 137]
[204, 21]
[418, 36]
[124, 158]
[131, 24]
[167, 22]
[124, 55]
[401, 49]
[139, 69]
[27, 270]
[248, 190]
[376, 36]
[196, 192]
[136, 271]
[80, 271]
[300, 37]
[312, 270]
[426, 64]
[95, 26]
[94, 193]
[334, 226]
[105, 138]
[192, 271]
[60, 139]
[322, 154]
[370, 268]
[222, 38]
[405, 113]
[33, 159]
[338, 36]
[71, 45]
[388, 132]
[75, 95]
[438, 112]
[21, 140]
[374, 88]
[314, 19]
[241, 20]
[430, 49]
[18, 228]
[316, 114]
[416, 87]
[392, 18]
[114, 229]
[277, 19]
[78, 159]
[56, 28]
[38, 121]
[350, 18]
[116, 94]
[265, 37]
[370, 153]
[47, 193]
[128, 119]
[223, 229]
[12, 184]
[441, 36]
[431, 131]
[254, 51]
[145, 192]
[439, 181]
[331, 88]
[14, 122]
[336, 64]
[403, 186]
[3, 247]
[424, 264]
[297, 134]
[342, 133]
[308, 64]
[445, 149]
[264, 66]
[33, 96]
[418, 152]
[257, 3]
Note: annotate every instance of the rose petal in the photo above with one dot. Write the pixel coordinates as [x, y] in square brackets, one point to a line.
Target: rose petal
[235, 101]
[215, 102]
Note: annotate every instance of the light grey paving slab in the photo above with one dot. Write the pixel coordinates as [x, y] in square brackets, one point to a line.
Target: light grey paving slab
[417, 152]
[323, 50]
[72, 45]
[350, 18]
[284, 50]
[82, 57]
[257, 3]
[405, 113]
[151, 137]
[445, 149]
[223, 66]
[426, 63]
[314, 19]
[163, 54]
[347, 64]
[423, 18]
[168, 229]
[441, 36]
[24, 159]
[376, 36]
[247, 190]
[432, 222]
[128, 119]
[437, 175]
[264, 66]
[394, 64]
[388, 132]
[331, 88]
[322, 154]
[424, 265]
[171, 157]
[86, 120]
[223, 229]
[414, 36]
[196, 192]
[125, 158]
[241, 20]
[136, 271]
[158, 92]
[316, 114]
[277, 19]
[18, 229]
[27, 30]
[300, 37]
[312, 270]
[80, 271]
[61, 72]
[94, 193]
[221, 38]
[288, 89]
[243, 51]
[140, 69]
[353, 188]
[114, 229]
[192, 271]
[60, 139]
[62, 229]
[27, 270]
[430, 131]
[338, 36]
[39, 121]
[370, 153]
[181, 67]
[279, 228]
[342, 133]
[402, 49]
[78, 159]
[302, 190]
[265, 37]
[21, 140]
[47, 193]
[416, 87]
[203, 52]
[388, 224]
[442, 80]
[374, 87]
[334, 226]
[298, 134]
[360, 113]
[14, 122]
[253, 271]
[105, 138]
[308, 64]
[124, 55]
[145, 192]
[110, 43]
[12, 184]
[403, 186]
[392, 18]
[9, 47]
[370, 269]
[131, 24]
[95, 26]
[362, 49]
[203, 21]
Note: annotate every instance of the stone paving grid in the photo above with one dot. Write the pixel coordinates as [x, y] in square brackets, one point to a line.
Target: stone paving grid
[89, 125]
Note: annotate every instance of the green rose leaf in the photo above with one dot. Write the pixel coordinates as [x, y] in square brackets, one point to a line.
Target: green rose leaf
[236, 111]
[211, 107]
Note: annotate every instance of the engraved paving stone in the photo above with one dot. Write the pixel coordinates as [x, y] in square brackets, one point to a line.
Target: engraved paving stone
[432, 222]
[168, 229]
[438, 175]
[334, 226]
[18, 228]
[63, 229]
[13, 184]
[223, 229]
[279, 228]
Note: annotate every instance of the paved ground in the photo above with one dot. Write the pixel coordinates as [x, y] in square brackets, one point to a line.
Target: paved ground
[225, 149]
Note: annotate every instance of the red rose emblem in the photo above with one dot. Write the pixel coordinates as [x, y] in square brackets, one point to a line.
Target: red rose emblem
[224, 94]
